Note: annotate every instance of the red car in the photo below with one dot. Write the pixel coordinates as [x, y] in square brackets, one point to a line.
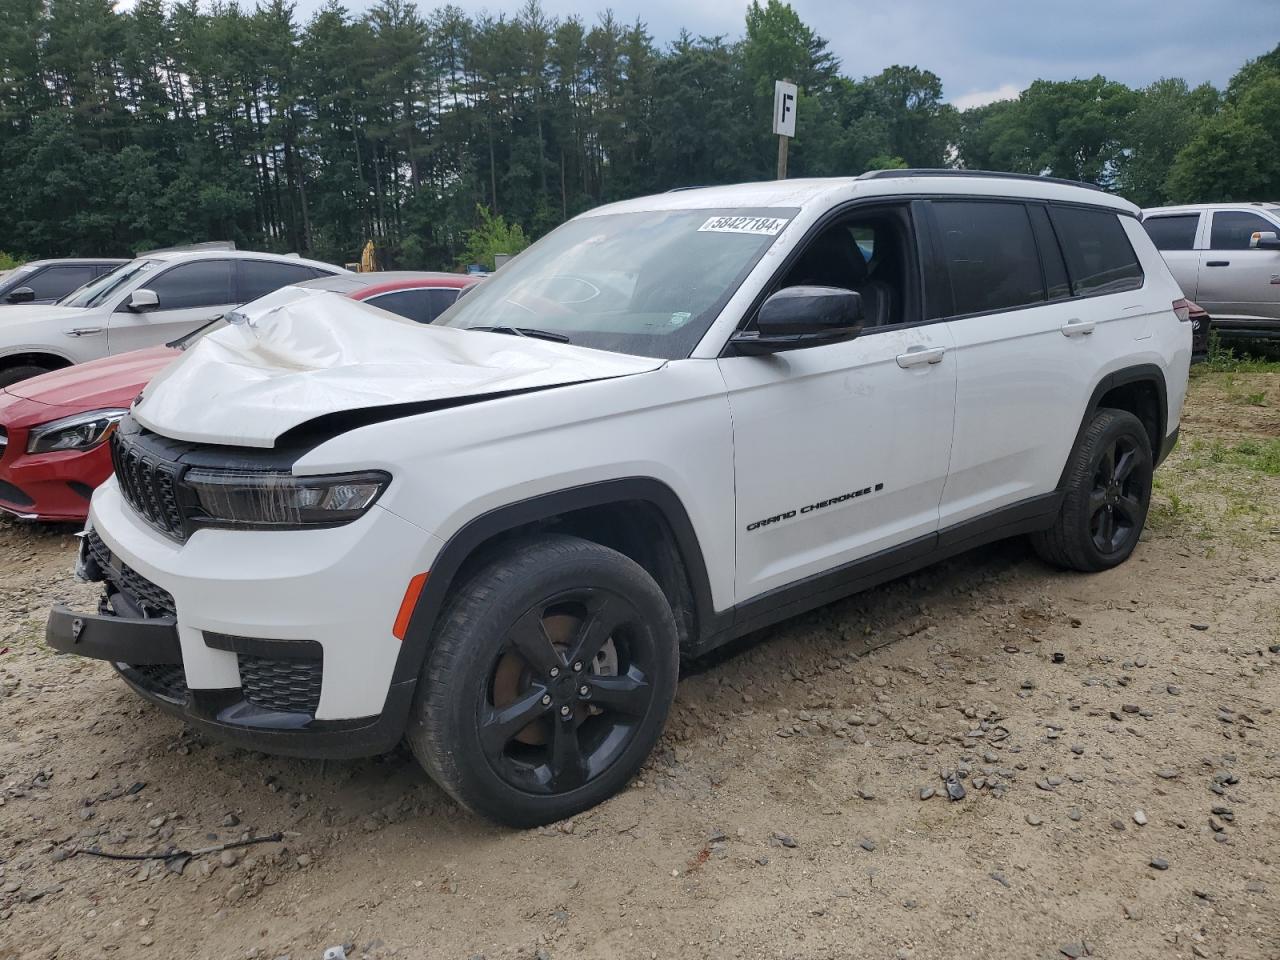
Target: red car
[52, 427]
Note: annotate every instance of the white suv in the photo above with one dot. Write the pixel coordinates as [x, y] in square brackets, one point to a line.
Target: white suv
[671, 422]
[143, 303]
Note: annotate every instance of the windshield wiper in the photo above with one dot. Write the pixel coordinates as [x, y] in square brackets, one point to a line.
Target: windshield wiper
[524, 332]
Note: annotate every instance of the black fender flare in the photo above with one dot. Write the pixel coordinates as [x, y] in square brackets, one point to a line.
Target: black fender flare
[1139, 373]
[463, 543]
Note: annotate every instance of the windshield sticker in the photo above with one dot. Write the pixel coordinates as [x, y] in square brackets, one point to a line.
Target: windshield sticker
[681, 318]
[761, 226]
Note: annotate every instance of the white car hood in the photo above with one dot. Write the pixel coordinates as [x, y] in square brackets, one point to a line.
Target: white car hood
[296, 355]
[38, 312]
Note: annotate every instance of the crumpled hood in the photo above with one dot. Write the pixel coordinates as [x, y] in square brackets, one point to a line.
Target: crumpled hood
[296, 355]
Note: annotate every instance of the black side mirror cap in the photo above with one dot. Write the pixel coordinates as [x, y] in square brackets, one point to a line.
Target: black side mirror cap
[797, 317]
[21, 295]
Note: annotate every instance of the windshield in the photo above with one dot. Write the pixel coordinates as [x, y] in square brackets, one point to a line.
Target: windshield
[645, 283]
[94, 293]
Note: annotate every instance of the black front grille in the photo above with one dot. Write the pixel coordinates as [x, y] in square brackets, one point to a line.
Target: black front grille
[149, 485]
[291, 685]
[14, 495]
[137, 589]
[167, 680]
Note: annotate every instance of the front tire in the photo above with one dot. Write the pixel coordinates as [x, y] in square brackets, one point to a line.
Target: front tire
[1108, 493]
[23, 371]
[548, 682]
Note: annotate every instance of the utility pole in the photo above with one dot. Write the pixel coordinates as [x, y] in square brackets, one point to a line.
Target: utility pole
[784, 120]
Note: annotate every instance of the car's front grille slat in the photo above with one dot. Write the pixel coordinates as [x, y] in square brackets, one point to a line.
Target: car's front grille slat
[149, 486]
[152, 599]
[291, 685]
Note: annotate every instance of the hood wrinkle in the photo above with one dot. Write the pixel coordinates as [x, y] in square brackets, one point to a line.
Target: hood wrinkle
[299, 360]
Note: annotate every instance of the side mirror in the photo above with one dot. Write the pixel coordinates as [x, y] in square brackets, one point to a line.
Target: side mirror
[141, 301]
[798, 317]
[1262, 240]
[21, 295]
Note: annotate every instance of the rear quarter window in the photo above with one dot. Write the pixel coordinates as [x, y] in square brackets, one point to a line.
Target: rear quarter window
[1100, 259]
[1173, 233]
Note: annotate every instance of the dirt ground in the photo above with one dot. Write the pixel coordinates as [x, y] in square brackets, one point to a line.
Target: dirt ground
[782, 815]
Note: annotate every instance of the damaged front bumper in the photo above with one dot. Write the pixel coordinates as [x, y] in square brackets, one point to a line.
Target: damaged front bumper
[273, 708]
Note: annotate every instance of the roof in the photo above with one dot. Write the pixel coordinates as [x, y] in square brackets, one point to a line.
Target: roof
[1198, 207]
[71, 260]
[381, 281]
[171, 256]
[827, 191]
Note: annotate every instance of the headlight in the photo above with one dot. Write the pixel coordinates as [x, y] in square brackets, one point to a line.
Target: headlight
[80, 432]
[246, 499]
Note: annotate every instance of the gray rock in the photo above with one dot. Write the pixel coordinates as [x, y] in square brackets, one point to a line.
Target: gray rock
[1159, 863]
[1140, 818]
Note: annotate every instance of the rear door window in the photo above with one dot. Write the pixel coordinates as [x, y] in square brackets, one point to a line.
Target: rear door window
[1173, 233]
[53, 283]
[1232, 229]
[990, 254]
[204, 283]
[1100, 259]
[260, 277]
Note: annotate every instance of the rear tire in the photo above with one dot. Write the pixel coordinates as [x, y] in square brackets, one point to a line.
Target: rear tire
[16, 374]
[548, 682]
[1108, 493]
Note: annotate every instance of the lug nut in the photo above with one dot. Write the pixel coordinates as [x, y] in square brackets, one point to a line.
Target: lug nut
[577, 666]
[546, 699]
[564, 711]
[555, 671]
[584, 690]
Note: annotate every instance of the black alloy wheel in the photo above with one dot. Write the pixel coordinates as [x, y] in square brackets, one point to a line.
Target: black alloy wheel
[1106, 492]
[1121, 487]
[566, 691]
[547, 682]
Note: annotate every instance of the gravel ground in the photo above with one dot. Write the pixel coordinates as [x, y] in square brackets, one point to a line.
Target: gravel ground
[1110, 742]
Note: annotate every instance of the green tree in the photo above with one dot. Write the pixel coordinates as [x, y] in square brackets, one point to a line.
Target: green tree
[493, 236]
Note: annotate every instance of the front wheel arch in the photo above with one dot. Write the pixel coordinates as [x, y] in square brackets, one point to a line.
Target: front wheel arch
[470, 542]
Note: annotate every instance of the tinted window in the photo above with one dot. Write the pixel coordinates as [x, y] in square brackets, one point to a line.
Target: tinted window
[1055, 270]
[205, 283]
[1232, 230]
[260, 277]
[422, 306]
[54, 283]
[1173, 233]
[1099, 256]
[990, 254]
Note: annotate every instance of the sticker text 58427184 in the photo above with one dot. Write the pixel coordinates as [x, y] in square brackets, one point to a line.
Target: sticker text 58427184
[762, 226]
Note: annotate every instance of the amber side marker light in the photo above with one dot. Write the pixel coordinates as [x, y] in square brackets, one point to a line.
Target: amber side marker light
[410, 601]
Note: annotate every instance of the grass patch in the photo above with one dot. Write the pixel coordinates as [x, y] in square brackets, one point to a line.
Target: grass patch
[1224, 358]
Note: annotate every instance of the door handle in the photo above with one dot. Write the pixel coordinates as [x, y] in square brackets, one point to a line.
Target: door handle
[1217, 263]
[83, 331]
[1077, 328]
[919, 355]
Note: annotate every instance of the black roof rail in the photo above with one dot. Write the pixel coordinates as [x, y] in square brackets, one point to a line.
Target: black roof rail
[696, 186]
[949, 172]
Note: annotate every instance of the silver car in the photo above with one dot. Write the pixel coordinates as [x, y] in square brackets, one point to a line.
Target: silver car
[1226, 257]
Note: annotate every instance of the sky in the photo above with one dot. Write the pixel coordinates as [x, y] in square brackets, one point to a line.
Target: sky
[982, 49]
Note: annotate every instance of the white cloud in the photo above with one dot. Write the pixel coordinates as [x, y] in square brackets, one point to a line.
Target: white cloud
[980, 98]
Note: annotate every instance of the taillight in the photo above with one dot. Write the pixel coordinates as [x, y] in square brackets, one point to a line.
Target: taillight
[1183, 309]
